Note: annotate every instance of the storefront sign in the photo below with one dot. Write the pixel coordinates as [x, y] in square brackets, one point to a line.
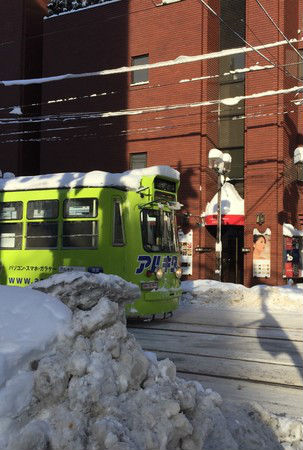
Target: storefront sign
[186, 247]
[261, 253]
[293, 257]
[204, 249]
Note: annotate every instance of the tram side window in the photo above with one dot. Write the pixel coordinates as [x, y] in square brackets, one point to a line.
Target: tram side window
[11, 236]
[11, 210]
[151, 230]
[41, 235]
[118, 232]
[42, 209]
[80, 234]
[80, 207]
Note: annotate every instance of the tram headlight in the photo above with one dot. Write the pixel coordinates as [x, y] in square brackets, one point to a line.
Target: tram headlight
[159, 273]
[178, 272]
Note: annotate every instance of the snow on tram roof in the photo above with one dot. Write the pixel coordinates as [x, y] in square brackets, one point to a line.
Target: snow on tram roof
[129, 180]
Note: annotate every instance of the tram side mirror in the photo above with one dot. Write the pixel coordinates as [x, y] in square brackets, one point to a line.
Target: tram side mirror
[141, 190]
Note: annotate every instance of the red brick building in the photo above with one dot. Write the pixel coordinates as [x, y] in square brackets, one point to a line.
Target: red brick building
[65, 125]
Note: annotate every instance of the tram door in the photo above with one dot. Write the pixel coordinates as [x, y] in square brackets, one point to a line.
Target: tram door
[232, 255]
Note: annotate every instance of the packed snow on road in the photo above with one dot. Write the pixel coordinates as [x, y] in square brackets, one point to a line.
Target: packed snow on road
[73, 378]
[214, 294]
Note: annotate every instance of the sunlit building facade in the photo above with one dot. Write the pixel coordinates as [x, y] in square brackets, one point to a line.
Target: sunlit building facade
[226, 80]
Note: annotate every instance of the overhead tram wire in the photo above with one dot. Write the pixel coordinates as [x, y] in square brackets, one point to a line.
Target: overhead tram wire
[277, 28]
[184, 115]
[123, 132]
[268, 51]
[244, 40]
[142, 88]
[146, 130]
[232, 101]
[88, 116]
[129, 69]
[218, 119]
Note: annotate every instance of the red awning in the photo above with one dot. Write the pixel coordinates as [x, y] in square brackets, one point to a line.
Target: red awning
[232, 207]
[227, 219]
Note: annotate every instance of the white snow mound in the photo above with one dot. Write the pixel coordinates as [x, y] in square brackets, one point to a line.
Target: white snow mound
[228, 295]
[93, 388]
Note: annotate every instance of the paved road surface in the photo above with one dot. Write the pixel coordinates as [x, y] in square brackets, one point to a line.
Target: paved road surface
[243, 355]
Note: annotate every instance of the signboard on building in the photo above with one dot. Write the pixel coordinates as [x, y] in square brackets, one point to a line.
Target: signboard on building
[261, 253]
[186, 247]
[292, 252]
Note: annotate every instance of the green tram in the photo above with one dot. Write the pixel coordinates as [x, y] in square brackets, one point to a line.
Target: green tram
[122, 224]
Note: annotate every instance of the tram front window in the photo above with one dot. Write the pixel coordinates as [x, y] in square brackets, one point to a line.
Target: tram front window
[158, 231]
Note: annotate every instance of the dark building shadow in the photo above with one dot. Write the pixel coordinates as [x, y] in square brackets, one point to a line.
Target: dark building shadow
[86, 41]
[273, 347]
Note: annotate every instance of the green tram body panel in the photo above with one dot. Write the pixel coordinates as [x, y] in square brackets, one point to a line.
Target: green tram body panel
[126, 257]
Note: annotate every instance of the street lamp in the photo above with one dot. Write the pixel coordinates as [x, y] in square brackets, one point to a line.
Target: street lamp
[298, 162]
[221, 163]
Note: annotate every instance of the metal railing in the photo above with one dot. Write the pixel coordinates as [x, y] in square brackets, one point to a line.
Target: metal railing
[59, 6]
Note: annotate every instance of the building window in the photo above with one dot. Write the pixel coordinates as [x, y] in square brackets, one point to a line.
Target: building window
[232, 84]
[138, 160]
[139, 76]
[230, 66]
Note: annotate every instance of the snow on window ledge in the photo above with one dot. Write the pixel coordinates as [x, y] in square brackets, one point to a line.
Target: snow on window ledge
[290, 231]
[140, 83]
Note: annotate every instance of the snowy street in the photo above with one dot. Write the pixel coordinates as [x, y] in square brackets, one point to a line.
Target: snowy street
[72, 377]
[245, 354]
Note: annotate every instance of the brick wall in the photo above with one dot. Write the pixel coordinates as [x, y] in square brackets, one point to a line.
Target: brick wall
[74, 136]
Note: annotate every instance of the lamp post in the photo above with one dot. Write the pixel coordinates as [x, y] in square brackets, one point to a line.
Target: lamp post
[298, 162]
[221, 164]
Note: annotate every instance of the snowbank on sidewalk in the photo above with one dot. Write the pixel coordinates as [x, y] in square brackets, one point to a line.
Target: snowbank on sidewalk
[89, 385]
[228, 295]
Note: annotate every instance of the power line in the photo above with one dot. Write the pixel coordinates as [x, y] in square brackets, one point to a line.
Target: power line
[170, 117]
[232, 101]
[127, 69]
[144, 130]
[277, 28]
[256, 68]
[244, 40]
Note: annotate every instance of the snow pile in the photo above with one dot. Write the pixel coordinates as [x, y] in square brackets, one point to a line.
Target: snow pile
[30, 323]
[290, 231]
[231, 201]
[228, 295]
[130, 180]
[95, 389]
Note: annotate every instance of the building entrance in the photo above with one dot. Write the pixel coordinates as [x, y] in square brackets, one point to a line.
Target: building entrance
[232, 255]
